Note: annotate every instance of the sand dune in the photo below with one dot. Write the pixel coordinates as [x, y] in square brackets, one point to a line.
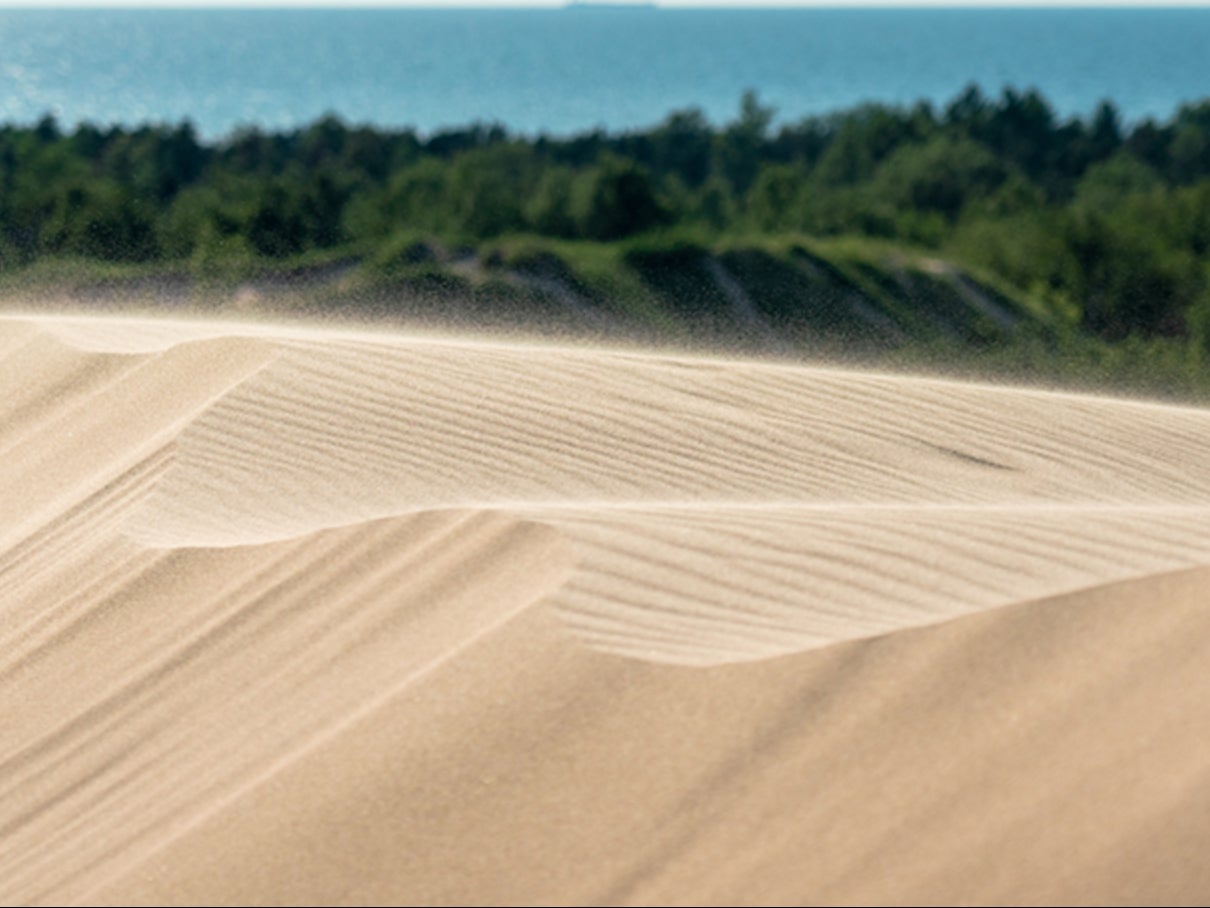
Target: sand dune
[293, 615]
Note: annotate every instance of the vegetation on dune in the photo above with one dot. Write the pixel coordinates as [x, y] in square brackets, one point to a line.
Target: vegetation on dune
[988, 223]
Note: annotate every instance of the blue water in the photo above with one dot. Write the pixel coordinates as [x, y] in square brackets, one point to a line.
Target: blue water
[565, 71]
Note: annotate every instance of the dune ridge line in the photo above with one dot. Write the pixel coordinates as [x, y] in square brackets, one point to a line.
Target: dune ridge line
[212, 527]
[790, 506]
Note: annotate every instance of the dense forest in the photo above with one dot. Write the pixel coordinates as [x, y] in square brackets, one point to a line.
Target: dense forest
[1107, 222]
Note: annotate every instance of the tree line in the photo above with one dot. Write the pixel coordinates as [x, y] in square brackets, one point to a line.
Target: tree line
[1110, 219]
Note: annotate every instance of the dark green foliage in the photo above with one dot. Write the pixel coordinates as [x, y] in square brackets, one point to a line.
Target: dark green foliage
[549, 210]
[803, 301]
[741, 144]
[683, 145]
[619, 201]
[1104, 224]
[98, 220]
[941, 175]
[777, 198]
[957, 307]
[1126, 282]
[276, 227]
[1189, 149]
[415, 199]
[488, 188]
[678, 273]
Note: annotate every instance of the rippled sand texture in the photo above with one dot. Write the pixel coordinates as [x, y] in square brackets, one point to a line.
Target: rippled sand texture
[293, 616]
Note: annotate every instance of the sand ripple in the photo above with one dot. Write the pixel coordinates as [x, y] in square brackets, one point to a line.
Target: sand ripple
[225, 548]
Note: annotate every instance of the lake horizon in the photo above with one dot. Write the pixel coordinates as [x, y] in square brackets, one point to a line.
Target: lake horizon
[562, 71]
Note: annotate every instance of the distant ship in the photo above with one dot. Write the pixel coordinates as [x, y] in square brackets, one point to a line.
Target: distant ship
[590, 4]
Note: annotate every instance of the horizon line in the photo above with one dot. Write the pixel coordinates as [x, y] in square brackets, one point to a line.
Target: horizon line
[606, 4]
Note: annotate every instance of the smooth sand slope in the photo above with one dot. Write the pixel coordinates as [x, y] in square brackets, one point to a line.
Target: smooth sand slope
[309, 615]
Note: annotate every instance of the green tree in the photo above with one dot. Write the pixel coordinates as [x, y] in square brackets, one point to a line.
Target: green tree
[488, 189]
[714, 203]
[863, 137]
[775, 201]
[942, 175]
[277, 227]
[417, 198]
[684, 145]
[618, 200]
[741, 144]
[549, 211]
[1106, 184]
[99, 220]
[1124, 282]
[1189, 150]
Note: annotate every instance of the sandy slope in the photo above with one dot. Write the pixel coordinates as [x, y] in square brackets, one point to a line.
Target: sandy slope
[296, 615]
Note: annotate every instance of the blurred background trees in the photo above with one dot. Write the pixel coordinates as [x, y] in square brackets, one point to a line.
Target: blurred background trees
[1113, 217]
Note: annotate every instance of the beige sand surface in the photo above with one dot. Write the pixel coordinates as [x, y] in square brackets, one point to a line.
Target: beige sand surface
[294, 616]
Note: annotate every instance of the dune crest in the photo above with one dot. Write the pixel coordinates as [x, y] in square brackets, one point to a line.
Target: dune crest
[122, 698]
[722, 510]
[226, 545]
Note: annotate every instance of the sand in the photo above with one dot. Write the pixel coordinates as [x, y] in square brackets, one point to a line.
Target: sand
[296, 615]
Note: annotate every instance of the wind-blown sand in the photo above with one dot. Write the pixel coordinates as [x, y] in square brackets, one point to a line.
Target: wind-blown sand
[295, 616]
